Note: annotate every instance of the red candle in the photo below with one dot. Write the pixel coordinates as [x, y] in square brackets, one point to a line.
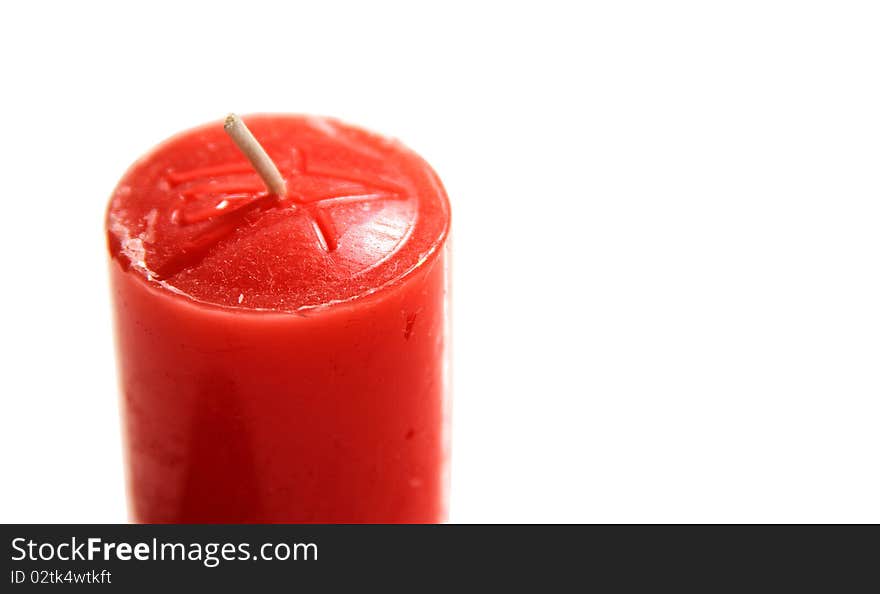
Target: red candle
[282, 352]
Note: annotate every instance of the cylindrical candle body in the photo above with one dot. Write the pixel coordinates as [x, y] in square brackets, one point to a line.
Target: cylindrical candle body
[282, 360]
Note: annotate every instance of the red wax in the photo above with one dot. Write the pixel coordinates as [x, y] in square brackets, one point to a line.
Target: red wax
[282, 359]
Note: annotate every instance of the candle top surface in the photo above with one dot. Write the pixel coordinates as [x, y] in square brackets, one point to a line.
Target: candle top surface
[361, 212]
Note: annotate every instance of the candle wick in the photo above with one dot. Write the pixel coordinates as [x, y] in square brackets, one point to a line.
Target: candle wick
[256, 154]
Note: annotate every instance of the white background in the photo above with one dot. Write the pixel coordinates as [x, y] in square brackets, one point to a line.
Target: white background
[666, 232]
